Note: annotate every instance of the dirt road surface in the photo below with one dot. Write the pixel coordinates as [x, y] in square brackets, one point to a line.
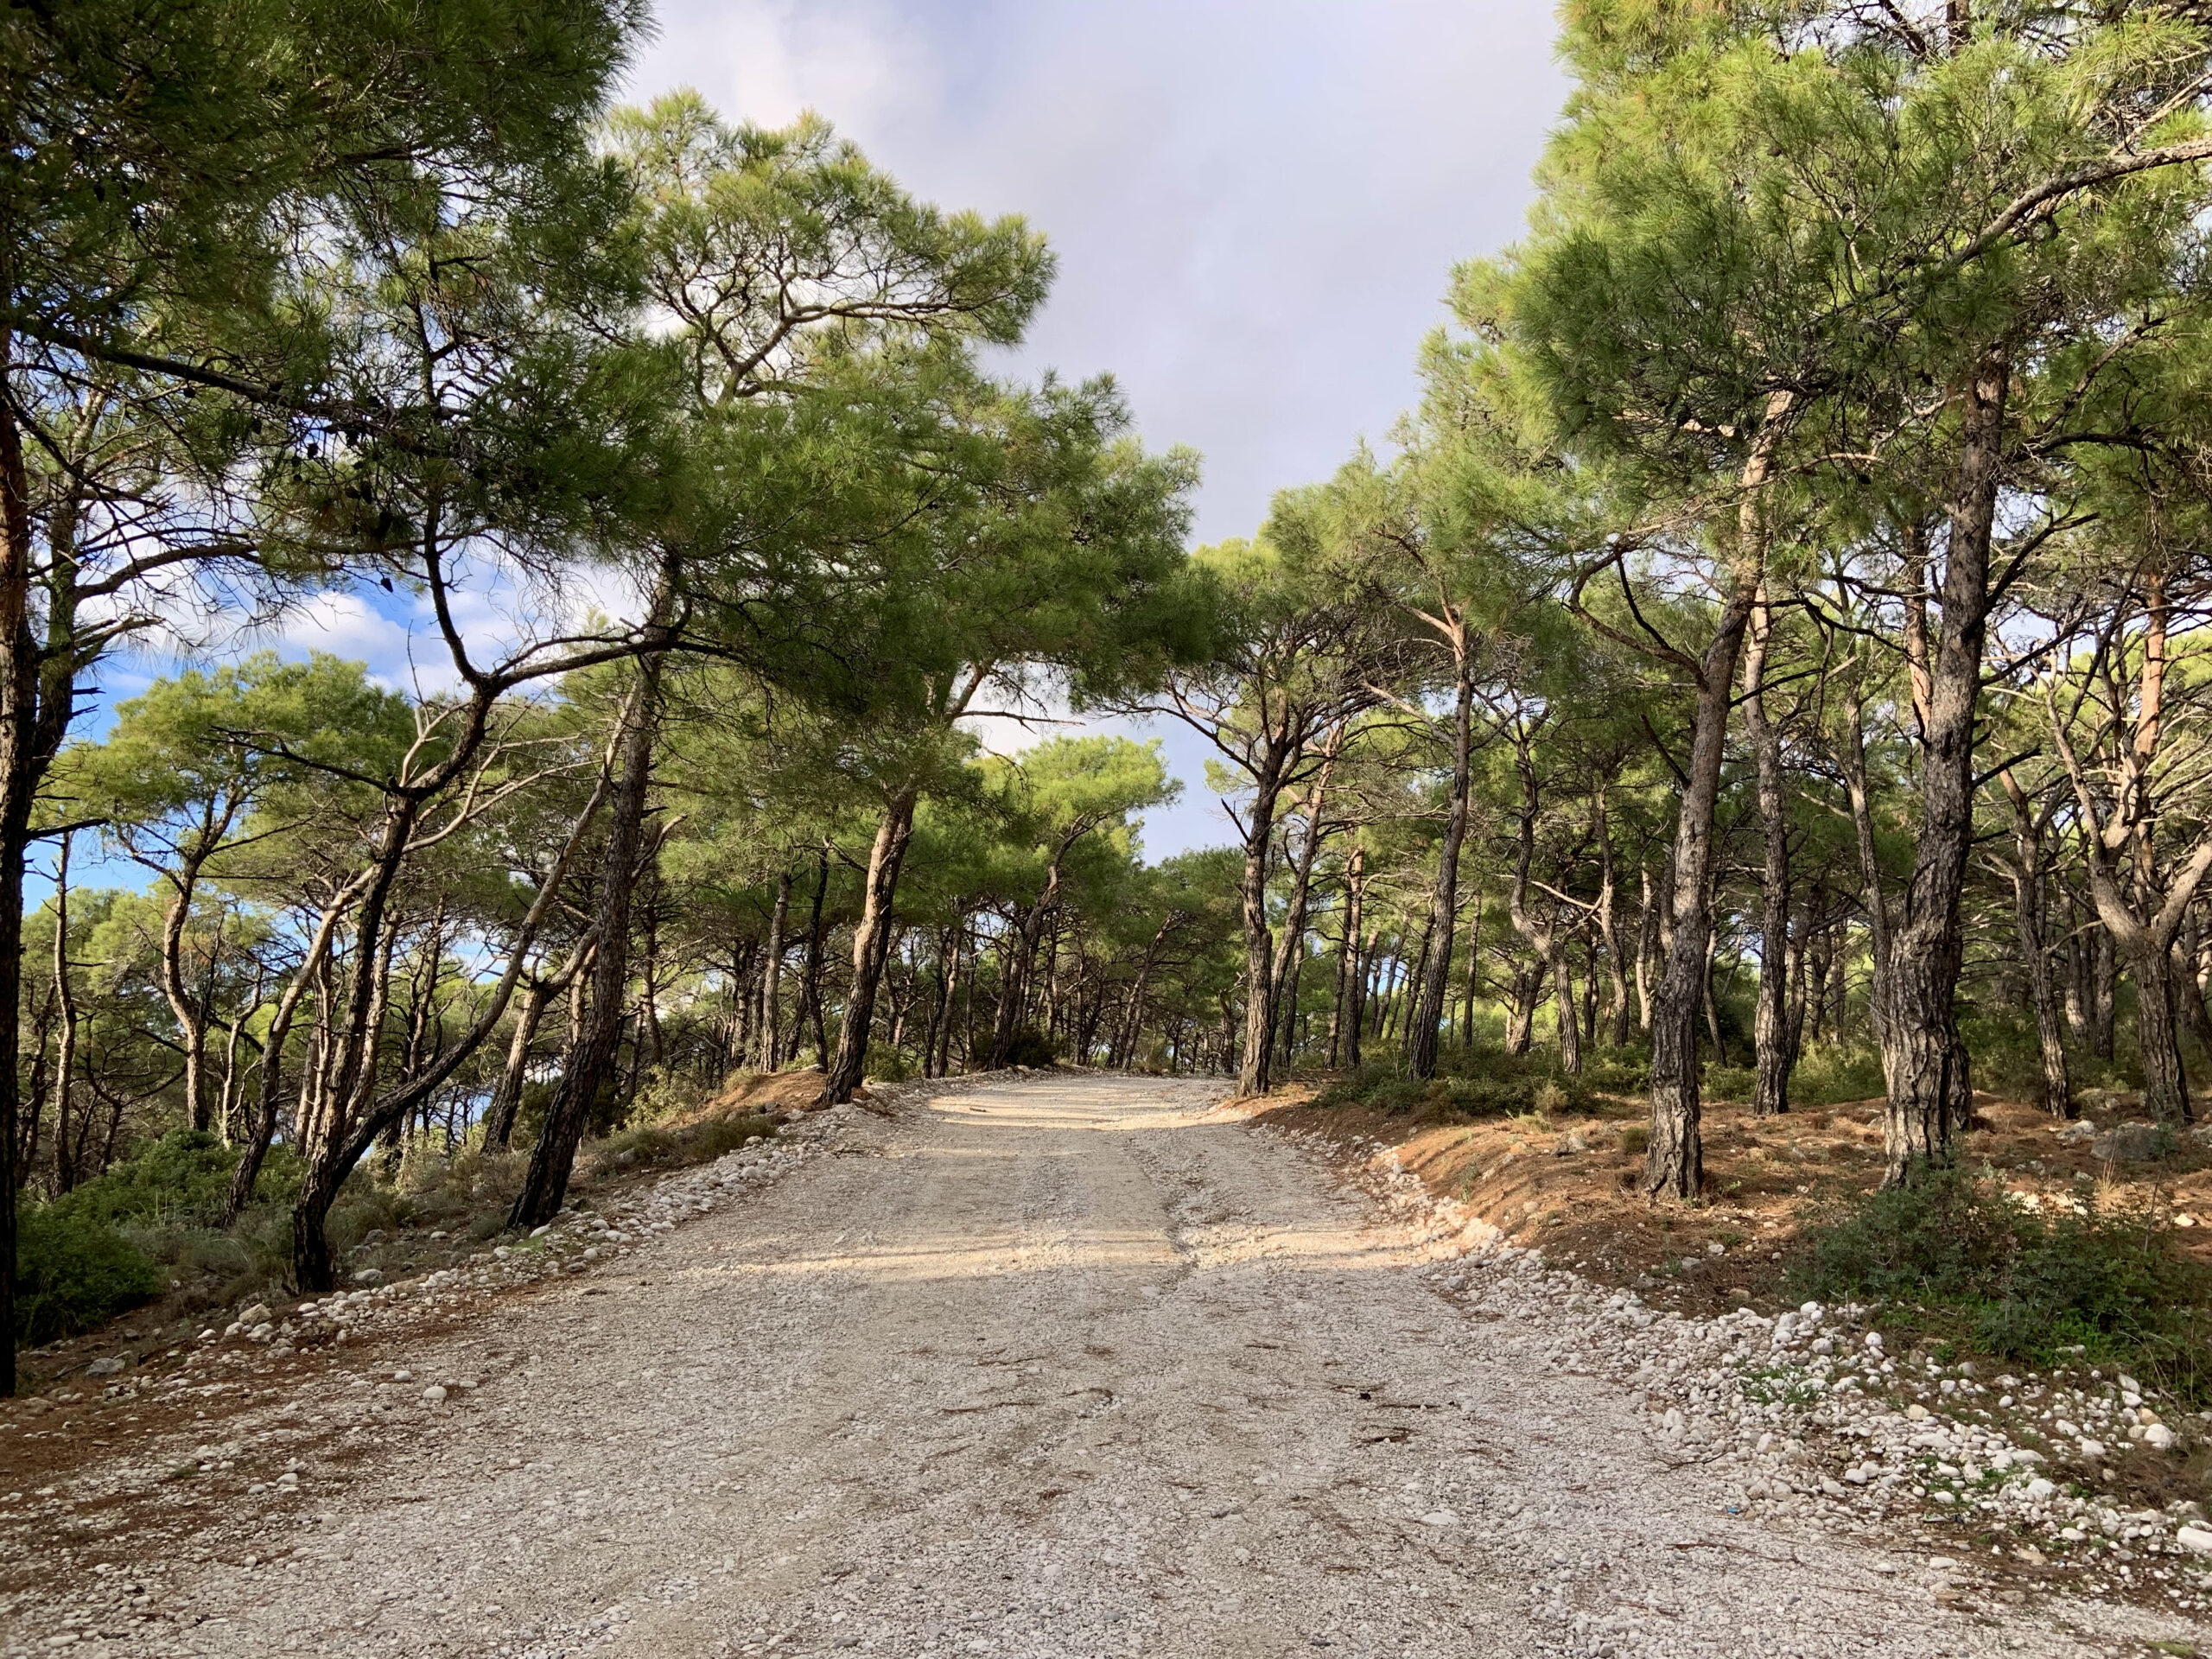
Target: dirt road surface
[1069, 1367]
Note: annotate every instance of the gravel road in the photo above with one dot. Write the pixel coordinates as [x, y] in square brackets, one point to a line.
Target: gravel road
[1066, 1367]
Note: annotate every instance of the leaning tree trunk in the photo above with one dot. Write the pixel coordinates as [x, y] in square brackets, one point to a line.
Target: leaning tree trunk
[1774, 1051]
[590, 1063]
[1444, 900]
[507, 1097]
[1253, 1074]
[1925, 1060]
[871, 949]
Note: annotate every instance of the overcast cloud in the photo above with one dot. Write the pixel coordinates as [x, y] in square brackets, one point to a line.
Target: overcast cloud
[1256, 205]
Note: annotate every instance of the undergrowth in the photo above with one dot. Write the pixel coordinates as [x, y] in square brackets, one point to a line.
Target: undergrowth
[1952, 1257]
[149, 1227]
[1480, 1084]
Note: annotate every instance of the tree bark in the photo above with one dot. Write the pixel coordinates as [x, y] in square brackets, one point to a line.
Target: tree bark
[1253, 1076]
[810, 976]
[1772, 1047]
[1570, 1033]
[1673, 1165]
[871, 947]
[1527, 987]
[2027, 875]
[771, 972]
[1924, 1060]
[1444, 899]
[590, 1062]
[66, 1156]
[1349, 968]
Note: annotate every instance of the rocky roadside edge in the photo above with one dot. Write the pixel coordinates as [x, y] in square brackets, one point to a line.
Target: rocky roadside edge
[274, 1439]
[1809, 1416]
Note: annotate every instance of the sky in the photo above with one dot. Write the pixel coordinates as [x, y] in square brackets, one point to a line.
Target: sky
[1256, 205]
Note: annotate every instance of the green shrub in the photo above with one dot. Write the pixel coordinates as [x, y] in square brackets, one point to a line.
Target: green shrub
[1635, 1138]
[1031, 1047]
[1952, 1253]
[183, 1178]
[1480, 1084]
[1730, 1082]
[1617, 1073]
[74, 1270]
[632, 1148]
[728, 1134]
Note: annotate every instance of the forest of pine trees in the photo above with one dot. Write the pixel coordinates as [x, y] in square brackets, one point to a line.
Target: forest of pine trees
[1778, 628]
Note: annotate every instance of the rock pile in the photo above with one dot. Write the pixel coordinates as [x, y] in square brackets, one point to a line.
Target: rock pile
[1808, 1413]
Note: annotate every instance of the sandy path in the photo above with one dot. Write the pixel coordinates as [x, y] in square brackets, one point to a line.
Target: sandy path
[1069, 1367]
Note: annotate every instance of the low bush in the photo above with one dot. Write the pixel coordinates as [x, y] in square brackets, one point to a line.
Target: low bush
[1952, 1255]
[74, 1270]
[182, 1178]
[1477, 1085]
[1828, 1075]
[1032, 1047]
[728, 1134]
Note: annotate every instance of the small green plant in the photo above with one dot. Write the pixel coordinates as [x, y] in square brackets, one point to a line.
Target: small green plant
[728, 1134]
[1636, 1139]
[1950, 1254]
[1768, 1385]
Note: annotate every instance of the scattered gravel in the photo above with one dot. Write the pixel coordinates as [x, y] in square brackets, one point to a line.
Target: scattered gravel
[1809, 1415]
[1069, 1367]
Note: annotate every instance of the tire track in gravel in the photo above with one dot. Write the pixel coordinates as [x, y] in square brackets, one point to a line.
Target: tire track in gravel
[1069, 1367]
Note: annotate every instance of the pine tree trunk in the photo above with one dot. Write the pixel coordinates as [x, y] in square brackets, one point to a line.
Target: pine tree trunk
[1344, 1018]
[1925, 1062]
[506, 1098]
[1521, 1008]
[590, 1062]
[871, 949]
[1252, 1077]
[1570, 1034]
[768, 1042]
[1673, 1164]
[2026, 872]
[2165, 1089]
[1770, 1095]
[1444, 899]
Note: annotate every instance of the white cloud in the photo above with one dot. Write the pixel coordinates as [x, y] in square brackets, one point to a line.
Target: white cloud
[1256, 203]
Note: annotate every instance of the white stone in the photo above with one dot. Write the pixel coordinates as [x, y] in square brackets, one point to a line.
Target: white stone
[2196, 1540]
[1439, 1518]
[2158, 1438]
[434, 1396]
